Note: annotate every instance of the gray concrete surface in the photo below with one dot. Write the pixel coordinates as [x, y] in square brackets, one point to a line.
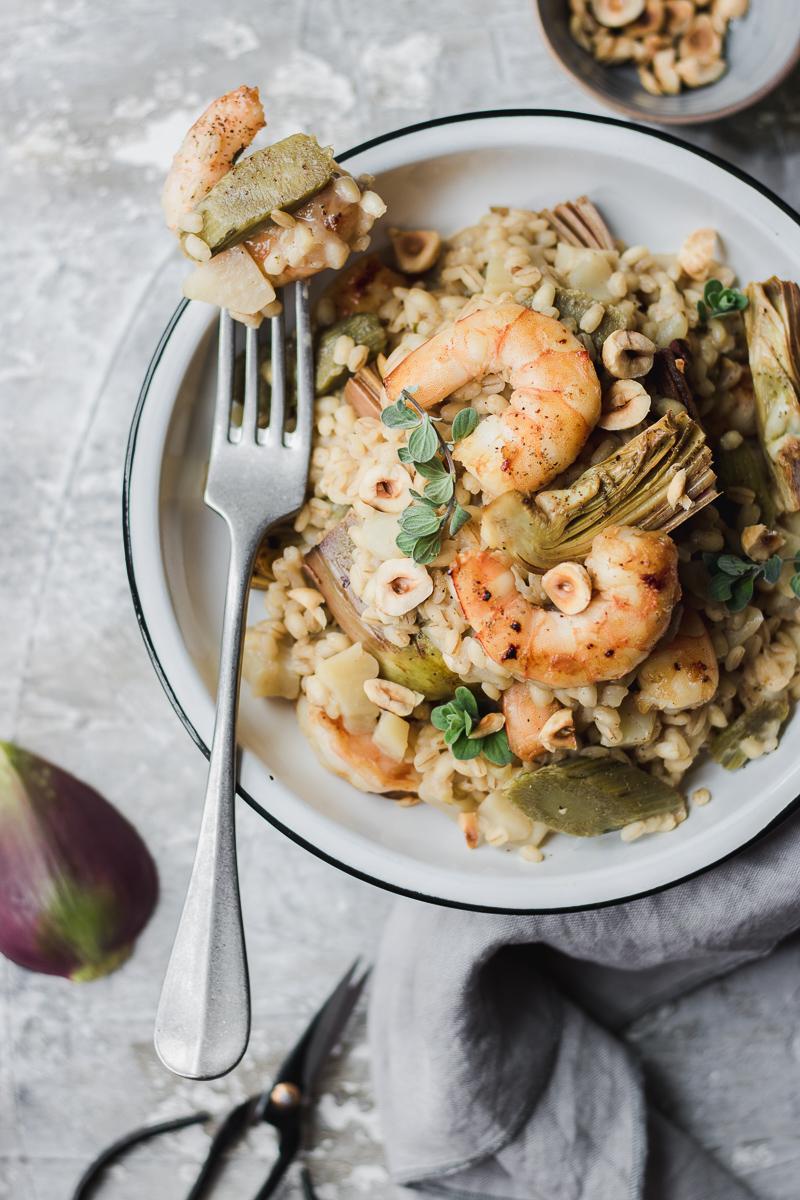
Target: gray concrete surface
[94, 98]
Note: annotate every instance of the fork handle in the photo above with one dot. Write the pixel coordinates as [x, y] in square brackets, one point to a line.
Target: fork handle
[203, 1019]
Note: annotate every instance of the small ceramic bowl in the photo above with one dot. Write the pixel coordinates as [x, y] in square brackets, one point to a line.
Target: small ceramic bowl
[761, 49]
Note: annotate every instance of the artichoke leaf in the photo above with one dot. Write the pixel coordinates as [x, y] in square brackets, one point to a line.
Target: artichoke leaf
[628, 488]
[586, 797]
[762, 722]
[772, 324]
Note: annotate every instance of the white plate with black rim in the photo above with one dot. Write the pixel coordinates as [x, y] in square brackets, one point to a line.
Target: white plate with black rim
[652, 189]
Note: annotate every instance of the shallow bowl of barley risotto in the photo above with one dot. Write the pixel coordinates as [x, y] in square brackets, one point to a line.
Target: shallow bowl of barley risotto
[474, 173]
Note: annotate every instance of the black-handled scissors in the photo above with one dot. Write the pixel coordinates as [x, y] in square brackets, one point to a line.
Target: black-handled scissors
[285, 1105]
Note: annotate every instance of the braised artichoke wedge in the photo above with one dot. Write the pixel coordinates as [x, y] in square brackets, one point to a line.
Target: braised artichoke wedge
[772, 323]
[573, 303]
[744, 466]
[364, 328]
[762, 722]
[419, 665]
[282, 176]
[589, 796]
[629, 488]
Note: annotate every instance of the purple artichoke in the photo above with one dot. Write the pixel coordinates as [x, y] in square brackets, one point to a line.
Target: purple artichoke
[77, 883]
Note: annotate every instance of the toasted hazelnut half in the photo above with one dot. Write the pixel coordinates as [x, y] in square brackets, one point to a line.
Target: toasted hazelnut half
[491, 723]
[625, 404]
[627, 354]
[569, 586]
[648, 81]
[679, 14]
[759, 543]
[558, 732]
[385, 488]
[400, 585]
[468, 824]
[701, 40]
[723, 11]
[392, 697]
[416, 250]
[616, 13]
[696, 73]
[650, 21]
[664, 70]
[697, 253]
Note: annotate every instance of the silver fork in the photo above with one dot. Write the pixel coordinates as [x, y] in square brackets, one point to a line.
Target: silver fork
[256, 477]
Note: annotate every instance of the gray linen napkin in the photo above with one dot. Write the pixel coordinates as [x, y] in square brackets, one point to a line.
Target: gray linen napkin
[497, 1070]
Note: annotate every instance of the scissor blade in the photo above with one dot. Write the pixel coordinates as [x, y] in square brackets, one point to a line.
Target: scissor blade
[303, 1062]
[333, 1019]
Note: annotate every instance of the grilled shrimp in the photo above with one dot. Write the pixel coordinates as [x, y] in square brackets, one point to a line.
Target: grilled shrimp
[324, 231]
[353, 756]
[683, 673]
[635, 588]
[210, 149]
[553, 408]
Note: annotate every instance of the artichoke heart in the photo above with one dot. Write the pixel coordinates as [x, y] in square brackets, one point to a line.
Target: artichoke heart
[282, 176]
[629, 488]
[772, 323]
[762, 723]
[419, 665]
[364, 328]
[573, 303]
[585, 797]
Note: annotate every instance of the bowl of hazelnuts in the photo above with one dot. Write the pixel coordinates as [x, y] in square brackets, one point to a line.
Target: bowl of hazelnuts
[673, 61]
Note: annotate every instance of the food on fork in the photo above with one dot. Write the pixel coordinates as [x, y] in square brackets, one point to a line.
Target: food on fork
[252, 224]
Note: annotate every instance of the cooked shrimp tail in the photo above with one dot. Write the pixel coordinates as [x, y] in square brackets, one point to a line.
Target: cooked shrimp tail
[354, 756]
[210, 149]
[635, 586]
[552, 410]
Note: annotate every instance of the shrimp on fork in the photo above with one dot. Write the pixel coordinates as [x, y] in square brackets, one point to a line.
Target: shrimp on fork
[210, 149]
[634, 574]
[554, 407]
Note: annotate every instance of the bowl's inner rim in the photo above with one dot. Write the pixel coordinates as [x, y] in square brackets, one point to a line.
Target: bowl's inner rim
[483, 116]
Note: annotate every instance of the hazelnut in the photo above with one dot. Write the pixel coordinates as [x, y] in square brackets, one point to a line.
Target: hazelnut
[664, 70]
[392, 697]
[385, 488]
[616, 13]
[491, 723]
[415, 250]
[679, 14]
[701, 40]
[558, 731]
[625, 404]
[468, 823]
[723, 11]
[400, 585]
[697, 253]
[650, 20]
[695, 73]
[569, 586]
[760, 543]
[627, 354]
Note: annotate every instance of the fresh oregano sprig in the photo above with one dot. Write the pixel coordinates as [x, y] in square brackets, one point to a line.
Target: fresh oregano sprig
[733, 578]
[456, 720]
[423, 522]
[719, 301]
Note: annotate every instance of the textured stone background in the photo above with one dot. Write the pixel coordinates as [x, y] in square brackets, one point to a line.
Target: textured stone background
[95, 96]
